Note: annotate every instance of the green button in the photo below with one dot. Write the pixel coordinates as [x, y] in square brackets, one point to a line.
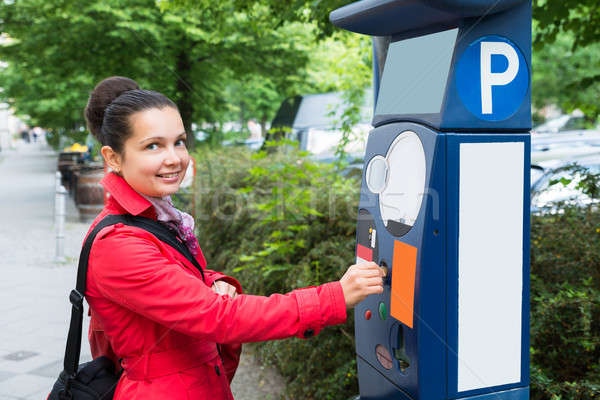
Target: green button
[382, 311]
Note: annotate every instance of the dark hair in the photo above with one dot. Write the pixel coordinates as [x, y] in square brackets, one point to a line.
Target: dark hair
[110, 105]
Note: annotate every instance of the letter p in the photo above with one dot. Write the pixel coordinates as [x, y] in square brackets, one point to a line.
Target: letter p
[488, 78]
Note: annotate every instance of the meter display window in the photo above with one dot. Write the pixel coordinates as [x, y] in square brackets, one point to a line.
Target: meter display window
[415, 74]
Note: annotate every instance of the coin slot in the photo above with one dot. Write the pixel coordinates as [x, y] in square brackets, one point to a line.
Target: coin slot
[387, 280]
[384, 357]
[400, 351]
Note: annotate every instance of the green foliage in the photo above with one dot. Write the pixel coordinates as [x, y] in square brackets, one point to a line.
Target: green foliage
[567, 77]
[59, 49]
[346, 62]
[587, 182]
[565, 294]
[277, 221]
[566, 57]
[285, 11]
[579, 17]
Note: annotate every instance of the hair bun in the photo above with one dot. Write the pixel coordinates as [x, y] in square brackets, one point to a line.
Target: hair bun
[102, 95]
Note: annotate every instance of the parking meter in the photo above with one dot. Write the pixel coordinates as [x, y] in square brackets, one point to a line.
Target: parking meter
[445, 199]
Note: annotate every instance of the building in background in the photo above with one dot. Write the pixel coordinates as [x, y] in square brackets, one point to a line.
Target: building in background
[10, 126]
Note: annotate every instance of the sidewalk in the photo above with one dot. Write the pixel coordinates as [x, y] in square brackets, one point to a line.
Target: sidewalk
[34, 308]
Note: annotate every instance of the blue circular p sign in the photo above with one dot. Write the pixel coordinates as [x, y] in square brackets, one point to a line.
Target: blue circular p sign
[492, 78]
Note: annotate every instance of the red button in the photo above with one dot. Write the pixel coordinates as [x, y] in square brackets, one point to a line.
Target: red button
[368, 314]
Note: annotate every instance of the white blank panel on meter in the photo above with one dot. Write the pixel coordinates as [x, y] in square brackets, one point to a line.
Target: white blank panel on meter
[490, 264]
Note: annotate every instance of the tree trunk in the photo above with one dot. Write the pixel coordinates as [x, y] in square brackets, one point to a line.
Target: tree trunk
[242, 118]
[184, 95]
[263, 126]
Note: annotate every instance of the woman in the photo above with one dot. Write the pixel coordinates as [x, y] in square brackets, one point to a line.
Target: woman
[176, 333]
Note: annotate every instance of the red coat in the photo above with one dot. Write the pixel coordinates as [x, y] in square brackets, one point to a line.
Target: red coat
[150, 307]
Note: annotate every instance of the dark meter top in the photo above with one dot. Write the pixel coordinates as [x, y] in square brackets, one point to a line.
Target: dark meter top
[458, 66]
[391, 17]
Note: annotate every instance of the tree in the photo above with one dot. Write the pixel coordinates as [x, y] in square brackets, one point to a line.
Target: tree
[60, 48]
[565, 76]
[581, 18]
[566, 62]
[282, 12]
[257, 94]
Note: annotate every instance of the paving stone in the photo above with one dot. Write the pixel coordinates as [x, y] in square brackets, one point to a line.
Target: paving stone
[42, 395]
[50, 370]
[20, 355]
[24, 385]
[6, 397]
[29, 364]
[5, 375]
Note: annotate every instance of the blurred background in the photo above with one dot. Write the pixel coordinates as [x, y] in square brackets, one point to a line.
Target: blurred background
[278, 103]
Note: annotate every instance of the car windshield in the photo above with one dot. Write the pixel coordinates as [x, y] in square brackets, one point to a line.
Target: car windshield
[325, 142]
[553, 190]
[536, 174]
[574, 123]
[324, 111]
[561, 185]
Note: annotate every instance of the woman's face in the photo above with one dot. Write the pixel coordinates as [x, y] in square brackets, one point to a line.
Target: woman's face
[154, 157]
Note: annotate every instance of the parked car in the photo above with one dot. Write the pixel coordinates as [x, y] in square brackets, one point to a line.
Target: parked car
[547, 189]
[313, 121]
[572, 145]
[575, 121]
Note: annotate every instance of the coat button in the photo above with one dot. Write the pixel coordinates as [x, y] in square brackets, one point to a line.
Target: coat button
[309, 333]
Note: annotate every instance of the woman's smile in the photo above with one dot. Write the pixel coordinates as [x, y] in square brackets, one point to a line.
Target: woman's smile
[171, 178]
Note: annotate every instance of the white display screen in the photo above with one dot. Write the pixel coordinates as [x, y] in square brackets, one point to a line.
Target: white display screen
[415, 74]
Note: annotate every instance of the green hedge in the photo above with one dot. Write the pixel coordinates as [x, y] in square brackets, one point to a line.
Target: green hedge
[277, 221]
[565, 305]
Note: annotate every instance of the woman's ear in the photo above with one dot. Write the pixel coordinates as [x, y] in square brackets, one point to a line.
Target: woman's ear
[112, 158]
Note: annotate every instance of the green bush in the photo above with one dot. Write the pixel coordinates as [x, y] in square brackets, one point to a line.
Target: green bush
[565, 304]
[277, 221]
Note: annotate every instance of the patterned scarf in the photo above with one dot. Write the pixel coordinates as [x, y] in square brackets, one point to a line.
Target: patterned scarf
[176, 220]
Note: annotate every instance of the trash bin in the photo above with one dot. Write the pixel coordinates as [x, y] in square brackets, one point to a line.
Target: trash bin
[88, 193]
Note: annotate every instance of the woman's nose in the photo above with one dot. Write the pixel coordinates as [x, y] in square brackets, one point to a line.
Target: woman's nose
[172, 156]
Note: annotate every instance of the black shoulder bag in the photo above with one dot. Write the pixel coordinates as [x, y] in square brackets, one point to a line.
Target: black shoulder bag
[97, 379]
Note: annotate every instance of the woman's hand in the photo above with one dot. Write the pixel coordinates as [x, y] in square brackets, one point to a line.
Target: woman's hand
[222, 287]
[361, 280]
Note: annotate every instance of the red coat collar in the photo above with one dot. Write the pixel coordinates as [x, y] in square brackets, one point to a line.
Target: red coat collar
[124, 198]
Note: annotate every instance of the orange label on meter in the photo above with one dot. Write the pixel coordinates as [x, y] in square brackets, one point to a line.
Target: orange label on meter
[404, 268]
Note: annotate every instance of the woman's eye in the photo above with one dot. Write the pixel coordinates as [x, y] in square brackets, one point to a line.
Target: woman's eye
[152, 146]
[180, 142]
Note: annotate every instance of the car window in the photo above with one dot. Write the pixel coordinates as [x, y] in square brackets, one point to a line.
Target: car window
[287, 112]
[319, 110]
[574, 123]
[324, 111]
[325, 142]
[536, 174]
[551, 193]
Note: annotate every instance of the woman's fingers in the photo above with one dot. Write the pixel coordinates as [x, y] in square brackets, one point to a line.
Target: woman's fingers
[224, 288]
[372, 273]
[376, 281]
[374, 268]
[367, 265]
[374, 289]
[232, 292]
[361, 280]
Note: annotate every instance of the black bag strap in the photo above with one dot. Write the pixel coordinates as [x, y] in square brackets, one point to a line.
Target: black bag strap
[159, 230]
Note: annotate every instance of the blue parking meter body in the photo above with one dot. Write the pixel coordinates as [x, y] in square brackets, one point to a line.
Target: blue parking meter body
[444, 200]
